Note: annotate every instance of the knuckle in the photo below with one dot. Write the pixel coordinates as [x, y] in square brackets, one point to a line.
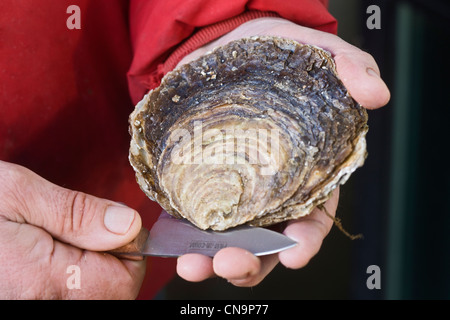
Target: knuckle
[77, 210]
[355, 55]
[368, 58]
[73, 209]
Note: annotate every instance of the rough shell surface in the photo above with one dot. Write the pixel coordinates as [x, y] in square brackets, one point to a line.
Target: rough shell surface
[255, 132]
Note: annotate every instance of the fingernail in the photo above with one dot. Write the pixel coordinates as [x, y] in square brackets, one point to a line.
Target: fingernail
[372, 72]
[118, 219]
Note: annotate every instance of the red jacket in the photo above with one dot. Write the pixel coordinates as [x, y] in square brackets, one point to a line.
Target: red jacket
[65, 95]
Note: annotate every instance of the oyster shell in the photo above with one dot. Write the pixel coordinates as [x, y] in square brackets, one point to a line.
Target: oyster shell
[258, 131]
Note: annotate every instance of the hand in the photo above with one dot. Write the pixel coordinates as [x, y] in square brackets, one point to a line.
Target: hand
[44, 229]
[360, 74]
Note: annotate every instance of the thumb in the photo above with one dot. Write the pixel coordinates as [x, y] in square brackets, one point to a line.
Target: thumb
[360, 74]
[357, 69]
[79, 219]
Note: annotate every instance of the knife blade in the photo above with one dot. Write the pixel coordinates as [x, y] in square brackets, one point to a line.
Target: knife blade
[172, 237]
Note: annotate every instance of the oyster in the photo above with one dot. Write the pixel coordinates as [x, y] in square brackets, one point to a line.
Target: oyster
[258, 131]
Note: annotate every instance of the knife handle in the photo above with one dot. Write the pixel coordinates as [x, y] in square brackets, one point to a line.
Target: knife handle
[132, 250]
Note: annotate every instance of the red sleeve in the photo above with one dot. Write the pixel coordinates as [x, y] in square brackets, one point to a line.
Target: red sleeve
[163, 32]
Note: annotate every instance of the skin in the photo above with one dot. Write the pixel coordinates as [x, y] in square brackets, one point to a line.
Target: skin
[45, 228]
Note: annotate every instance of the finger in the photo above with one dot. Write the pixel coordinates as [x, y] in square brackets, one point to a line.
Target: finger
[102, 276]
[309, 233]
[235, 263]
[357, 69]
[195, 267]
[73, 217]
[361, 76]
[241, 267]
[268, 263]
[66, 272]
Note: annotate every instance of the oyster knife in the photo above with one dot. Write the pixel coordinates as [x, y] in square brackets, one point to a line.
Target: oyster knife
[171, 237]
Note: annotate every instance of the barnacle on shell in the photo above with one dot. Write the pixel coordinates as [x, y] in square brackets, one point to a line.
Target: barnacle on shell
[258, 131]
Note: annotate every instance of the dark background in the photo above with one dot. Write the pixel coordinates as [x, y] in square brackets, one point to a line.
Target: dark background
[400, 199]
